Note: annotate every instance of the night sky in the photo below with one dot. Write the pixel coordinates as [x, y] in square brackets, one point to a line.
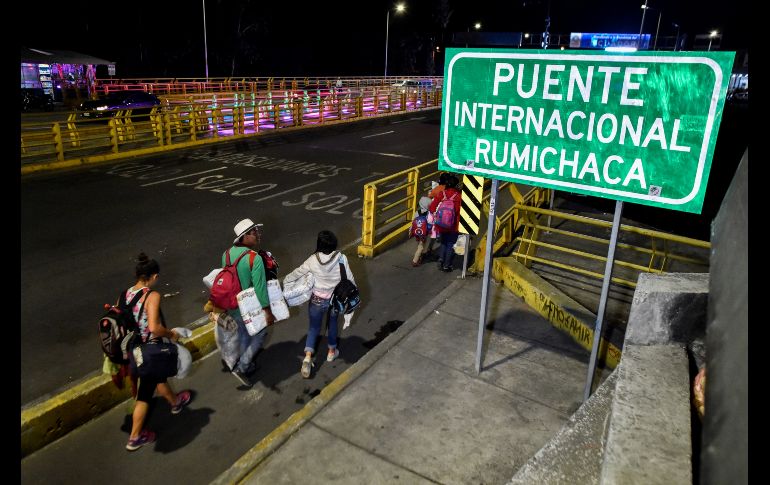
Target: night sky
[260, 38]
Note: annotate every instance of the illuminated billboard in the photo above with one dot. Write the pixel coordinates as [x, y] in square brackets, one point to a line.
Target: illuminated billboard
[579, 40]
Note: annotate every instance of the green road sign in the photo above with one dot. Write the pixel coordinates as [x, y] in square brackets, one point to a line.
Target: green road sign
[638, 127]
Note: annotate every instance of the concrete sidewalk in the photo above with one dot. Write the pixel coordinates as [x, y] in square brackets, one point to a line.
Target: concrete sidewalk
[414, 410]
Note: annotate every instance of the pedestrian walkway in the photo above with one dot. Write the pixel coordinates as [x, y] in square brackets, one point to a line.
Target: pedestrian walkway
[414, 410]
[412, 407]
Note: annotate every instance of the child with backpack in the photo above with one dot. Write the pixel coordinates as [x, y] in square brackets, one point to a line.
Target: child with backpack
[446, 209]
[422, 226]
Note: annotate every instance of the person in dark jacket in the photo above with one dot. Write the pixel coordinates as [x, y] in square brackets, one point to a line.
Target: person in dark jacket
[448, 235]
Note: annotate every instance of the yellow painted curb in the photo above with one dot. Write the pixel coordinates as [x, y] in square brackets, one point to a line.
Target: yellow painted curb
[248, 464]
[561, 311]
[45, 421]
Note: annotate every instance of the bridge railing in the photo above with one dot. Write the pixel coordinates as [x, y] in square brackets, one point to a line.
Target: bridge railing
[185, 120]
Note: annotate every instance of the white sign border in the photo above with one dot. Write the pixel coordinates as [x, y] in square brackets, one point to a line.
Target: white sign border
[599, 57]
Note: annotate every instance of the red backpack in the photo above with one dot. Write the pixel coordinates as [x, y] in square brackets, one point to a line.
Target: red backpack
[224, 291]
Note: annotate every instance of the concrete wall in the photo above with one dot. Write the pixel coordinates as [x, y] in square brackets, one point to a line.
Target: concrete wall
[724, 456]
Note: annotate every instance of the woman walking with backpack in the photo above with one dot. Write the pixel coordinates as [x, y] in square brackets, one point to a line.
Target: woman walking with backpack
[446, 207]
[325, 266]
[151, 326]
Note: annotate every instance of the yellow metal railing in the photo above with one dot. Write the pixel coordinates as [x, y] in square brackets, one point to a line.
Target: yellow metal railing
[645, 250]
[389, 204]
[192, 119]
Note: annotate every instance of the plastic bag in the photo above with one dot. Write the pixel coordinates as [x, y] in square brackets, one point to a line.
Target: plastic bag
[208, 280]
[298, 291]
[277, 303]
[348, 317]
[459, 246]
[184, 361]
[251, 311]
[226, 336]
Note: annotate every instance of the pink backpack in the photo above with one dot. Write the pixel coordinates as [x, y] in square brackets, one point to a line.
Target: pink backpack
[446, 216]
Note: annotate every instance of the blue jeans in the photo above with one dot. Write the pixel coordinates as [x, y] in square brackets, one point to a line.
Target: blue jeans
[448, 240]
[249, 345]
[317, 308]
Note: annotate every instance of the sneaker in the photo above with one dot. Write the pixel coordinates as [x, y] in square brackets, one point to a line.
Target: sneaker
[241, 377]
[145, 438]
[447, 269]
[307, 364]
[182, 400]
[415, 264]
[332, 355]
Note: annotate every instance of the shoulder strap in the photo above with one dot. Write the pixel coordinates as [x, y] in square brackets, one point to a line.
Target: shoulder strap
[343, 274]
[252, 255]
[133, 301]
[453, 196]
[238, 259]
[443, 194]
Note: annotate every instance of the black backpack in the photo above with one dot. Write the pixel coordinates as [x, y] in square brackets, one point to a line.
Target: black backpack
[118, 327]
[345, 298]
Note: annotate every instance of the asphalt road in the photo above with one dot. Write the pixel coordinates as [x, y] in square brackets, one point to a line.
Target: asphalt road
[82, 229]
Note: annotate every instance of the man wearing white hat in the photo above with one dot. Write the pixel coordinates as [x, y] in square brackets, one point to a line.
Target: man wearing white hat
[251, 273]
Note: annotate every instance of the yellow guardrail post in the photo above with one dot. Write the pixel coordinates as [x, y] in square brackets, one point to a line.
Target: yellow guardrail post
[156, 121]
[366, 248]
[73, 130]
[320, 110]
[58, 142]
[113, 135]
[167, 125]
[403, 101]
[193, 122]
[276, 115]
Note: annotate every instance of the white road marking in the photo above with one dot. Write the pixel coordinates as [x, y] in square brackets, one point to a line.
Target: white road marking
[378, 134]
[290, 190]
[183, 176]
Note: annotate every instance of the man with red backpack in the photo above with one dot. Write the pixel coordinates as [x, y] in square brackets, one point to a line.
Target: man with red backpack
[251, 273]
[446, 210]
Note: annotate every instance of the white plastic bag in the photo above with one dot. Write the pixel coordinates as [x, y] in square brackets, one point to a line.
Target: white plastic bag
[226, 336]
[184, 361]
[298, 291]
[347, 317]
[459, 246]
[277, 303]
[208, 280]
[251, 311]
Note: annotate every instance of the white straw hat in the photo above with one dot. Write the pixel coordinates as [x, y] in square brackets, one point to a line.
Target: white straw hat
[243, 227]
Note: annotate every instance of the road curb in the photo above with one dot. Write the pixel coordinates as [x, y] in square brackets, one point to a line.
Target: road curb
[247, 464]
[51, 417]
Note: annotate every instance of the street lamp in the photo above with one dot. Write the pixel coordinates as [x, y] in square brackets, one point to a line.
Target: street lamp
[713, 34]
[399, 8]
[639, 40]
[660, 14]
[205, 44]
[676, 44]
[476, 26]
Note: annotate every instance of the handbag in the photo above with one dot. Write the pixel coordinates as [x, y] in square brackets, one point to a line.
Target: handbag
[155, 358]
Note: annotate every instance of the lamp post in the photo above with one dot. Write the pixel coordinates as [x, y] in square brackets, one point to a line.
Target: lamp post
[644, 11]
[676, 43]
[713, 34]
[476, 26]
[399, 8]
[205, 43]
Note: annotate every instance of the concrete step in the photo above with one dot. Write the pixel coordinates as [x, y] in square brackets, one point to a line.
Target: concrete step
[574, 455]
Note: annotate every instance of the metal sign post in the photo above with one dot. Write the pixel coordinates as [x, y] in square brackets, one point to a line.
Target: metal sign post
[487, 265]
[603, 299]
